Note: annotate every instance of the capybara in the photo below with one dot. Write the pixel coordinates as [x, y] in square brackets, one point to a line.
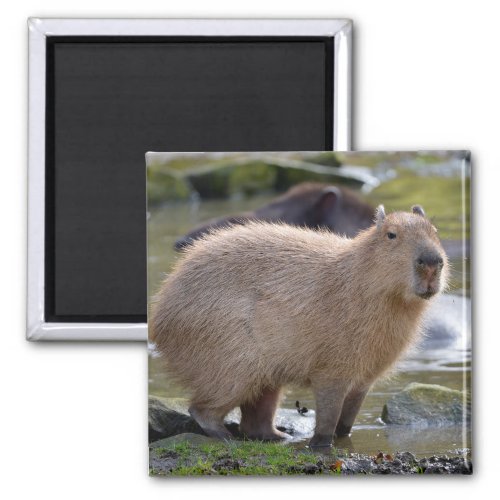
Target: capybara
[251, 308]
[310, 204]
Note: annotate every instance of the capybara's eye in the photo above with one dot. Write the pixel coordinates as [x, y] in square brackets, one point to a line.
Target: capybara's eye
[391, 236]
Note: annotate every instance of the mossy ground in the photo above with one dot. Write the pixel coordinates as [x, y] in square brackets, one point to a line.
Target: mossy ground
[246, 458]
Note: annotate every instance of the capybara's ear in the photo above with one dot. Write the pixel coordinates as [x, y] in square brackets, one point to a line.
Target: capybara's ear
[417, 209]
[380, 215]
[329, 197]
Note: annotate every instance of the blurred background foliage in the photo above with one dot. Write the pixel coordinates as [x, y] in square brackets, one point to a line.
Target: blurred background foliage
[437, 180]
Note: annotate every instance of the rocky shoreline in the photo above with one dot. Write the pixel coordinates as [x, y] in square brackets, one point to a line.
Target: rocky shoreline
[178, 445]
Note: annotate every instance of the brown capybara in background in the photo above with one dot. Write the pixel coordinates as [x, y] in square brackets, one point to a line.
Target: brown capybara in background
[252, 308]
[308, 204]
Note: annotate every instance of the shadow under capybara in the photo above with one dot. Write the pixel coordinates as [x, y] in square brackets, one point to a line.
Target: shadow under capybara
[254, 307]
[309, 204]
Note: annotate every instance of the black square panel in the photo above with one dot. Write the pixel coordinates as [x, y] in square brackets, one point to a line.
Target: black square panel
[111, 99]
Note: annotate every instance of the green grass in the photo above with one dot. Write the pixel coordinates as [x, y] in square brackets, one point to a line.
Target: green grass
[242, 458]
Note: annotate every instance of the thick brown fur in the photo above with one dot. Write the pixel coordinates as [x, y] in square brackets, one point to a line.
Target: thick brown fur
[251, 308]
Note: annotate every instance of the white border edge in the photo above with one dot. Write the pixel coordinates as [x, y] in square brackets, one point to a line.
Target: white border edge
[36, 180]
[342, 89]
[89, 331]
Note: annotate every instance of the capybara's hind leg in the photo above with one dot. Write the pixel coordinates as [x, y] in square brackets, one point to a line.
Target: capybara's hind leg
[211, 421]
[257, 418]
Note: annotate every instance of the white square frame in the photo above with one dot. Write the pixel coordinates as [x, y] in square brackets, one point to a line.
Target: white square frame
[39, 29]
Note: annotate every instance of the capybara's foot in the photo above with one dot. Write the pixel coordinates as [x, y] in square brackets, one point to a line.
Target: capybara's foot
[257, 417]
[276, 435]
[320, 441]
[211, 422]
[222, 434]
[265, 435]
[342, 430]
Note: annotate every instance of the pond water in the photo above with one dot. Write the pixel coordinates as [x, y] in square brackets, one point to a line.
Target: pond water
[450, 365]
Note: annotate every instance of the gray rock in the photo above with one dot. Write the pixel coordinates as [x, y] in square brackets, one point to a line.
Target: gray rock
[426, 405]
[168, 417]
[406, 456]
[436, 469]
[359, 465]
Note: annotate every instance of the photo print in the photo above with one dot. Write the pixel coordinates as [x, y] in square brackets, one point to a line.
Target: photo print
[309, 313]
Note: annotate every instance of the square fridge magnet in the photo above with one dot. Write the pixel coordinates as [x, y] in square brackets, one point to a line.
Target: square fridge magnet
[102, 92]
[309, 313]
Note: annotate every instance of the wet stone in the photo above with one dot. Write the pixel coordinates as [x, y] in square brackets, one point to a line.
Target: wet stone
[423, 463]
[311, 469]
[383, 469]
[426, 405]
[359, 466]
[406, 456]
[436, 468]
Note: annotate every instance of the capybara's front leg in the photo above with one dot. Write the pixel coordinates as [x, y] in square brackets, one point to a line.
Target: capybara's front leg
[352, 404]
[329, 403]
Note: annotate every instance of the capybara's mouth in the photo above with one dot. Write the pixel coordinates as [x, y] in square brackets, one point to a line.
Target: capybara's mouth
[427, 290]
[427, 294]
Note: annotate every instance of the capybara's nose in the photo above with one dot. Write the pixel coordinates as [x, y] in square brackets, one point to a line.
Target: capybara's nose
[431, 260]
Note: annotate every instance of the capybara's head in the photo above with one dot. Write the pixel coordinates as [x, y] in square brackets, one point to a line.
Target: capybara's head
[408, 247]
